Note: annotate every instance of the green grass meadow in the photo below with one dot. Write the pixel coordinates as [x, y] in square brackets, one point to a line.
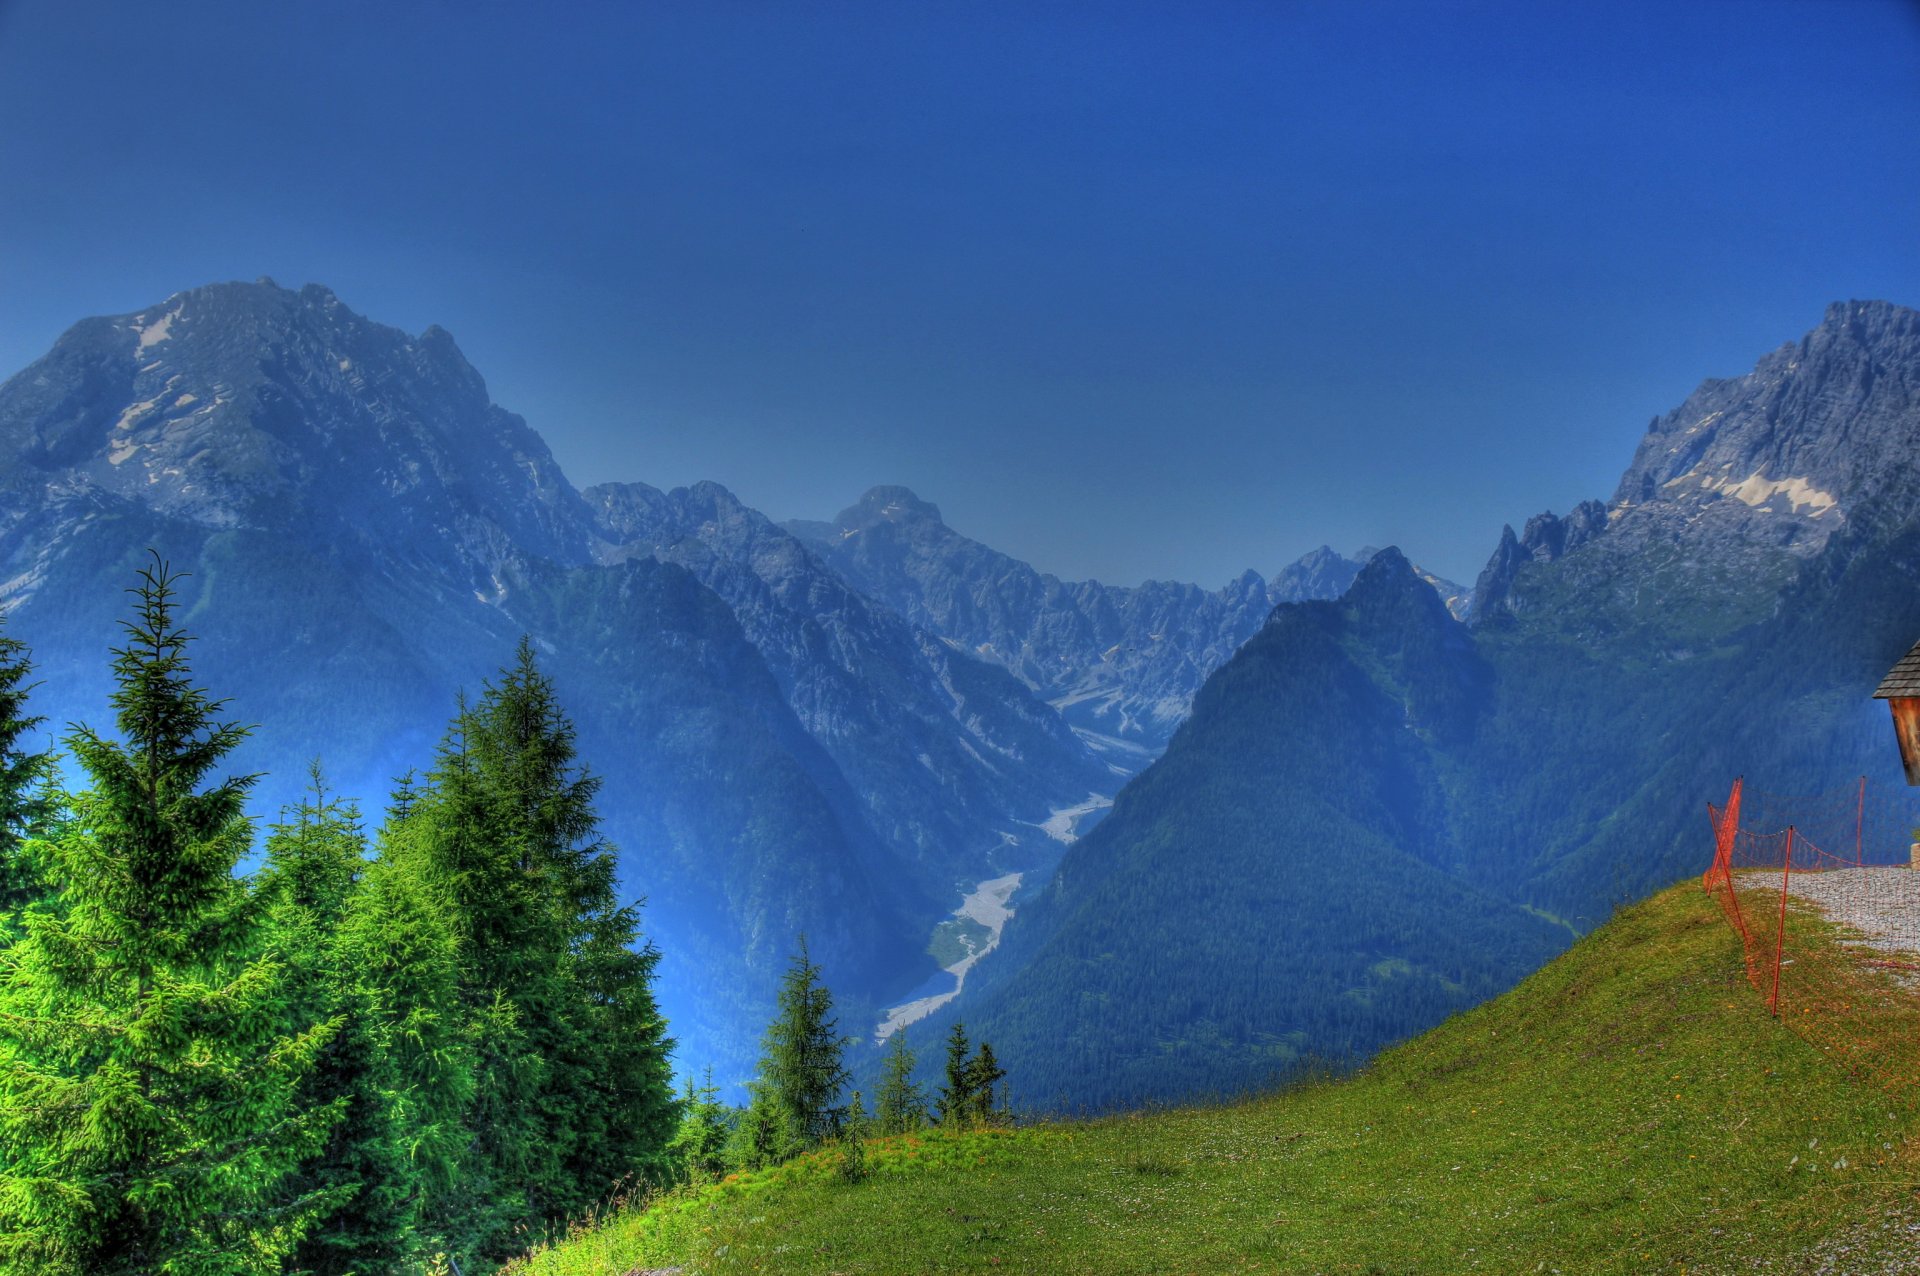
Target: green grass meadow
[1630, 1108]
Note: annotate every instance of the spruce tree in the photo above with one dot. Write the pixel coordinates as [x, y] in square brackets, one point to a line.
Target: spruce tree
[699, 1147]
[509, 957]
[148, 1115]
[376, 979]
[955, 1100]
[24, 780]
[399, 959]
[314, 856]
[984, 1074]
[609, 1086]
[899, 1107]
[572, 1081]
[802, 1063]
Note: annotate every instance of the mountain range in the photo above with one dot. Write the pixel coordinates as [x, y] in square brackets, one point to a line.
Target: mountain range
[1120, 663]
[786, 747]
[1347, 798]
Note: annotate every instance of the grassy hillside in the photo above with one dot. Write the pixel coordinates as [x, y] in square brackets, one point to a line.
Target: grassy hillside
[1628, 1108]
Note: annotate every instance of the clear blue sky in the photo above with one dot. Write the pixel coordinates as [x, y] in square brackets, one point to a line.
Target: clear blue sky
[1130, 291]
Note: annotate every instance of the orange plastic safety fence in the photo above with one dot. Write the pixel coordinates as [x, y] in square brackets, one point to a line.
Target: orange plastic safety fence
[1831, 937]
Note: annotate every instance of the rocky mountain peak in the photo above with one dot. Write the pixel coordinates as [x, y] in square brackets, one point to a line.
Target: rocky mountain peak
[889, 504]
[253, 405]
[1319, 573]
[1750, 473]
[1781, 457]
[1394, 604]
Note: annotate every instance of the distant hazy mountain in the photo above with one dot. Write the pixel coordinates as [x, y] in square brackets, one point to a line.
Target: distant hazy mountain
[1122, 663]
[943, 749]
[368, 534]
[1376, 813]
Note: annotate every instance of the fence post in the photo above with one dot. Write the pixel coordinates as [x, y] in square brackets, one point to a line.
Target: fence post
[1780, 934]
[1729, 840]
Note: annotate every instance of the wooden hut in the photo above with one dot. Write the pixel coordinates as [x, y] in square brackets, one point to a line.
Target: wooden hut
[1901, 690]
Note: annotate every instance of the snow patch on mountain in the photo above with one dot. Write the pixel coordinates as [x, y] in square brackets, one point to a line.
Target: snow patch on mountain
[1760, 492]
[152, 334]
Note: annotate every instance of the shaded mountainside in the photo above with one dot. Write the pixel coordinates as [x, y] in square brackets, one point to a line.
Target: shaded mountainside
[1121, 662]
[368, 534]
[942, 749]
[1281, 885]
[1376, 758]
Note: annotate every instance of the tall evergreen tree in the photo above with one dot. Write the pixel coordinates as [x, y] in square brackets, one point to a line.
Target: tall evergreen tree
[314, 856]
[899, 1106]
[955, 1100]
[572, 1080]
[399, 958]
[507, 958]
[802, 1064]
[344, 968]
[24, 777]
[148, 1115]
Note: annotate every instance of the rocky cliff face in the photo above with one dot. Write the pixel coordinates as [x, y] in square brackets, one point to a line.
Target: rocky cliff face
[253, 406]
[1751, 474]
[1778, 458]
[1121, 663]
[945, 750]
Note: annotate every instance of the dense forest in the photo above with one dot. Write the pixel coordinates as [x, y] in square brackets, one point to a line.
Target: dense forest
[418, 1047]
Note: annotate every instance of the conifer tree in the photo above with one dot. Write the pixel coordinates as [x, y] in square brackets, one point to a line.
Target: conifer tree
[148, 1120]
[572, 1081]
[984, 1073]
[314, 856]
[853, 1142]
[698, 1148]
[759, 1136]
[508, 956]
[399, 958]
[899, 1107]
[351, 961]
[802, 1063]
[24, 780]
[955, 1099]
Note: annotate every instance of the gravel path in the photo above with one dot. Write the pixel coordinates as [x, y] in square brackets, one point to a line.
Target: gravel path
[1882, 904]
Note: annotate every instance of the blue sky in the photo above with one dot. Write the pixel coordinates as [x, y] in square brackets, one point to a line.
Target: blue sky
[1130, 291]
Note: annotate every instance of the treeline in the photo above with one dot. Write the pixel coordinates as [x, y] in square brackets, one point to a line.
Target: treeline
[798, 1098]
[410, 1048]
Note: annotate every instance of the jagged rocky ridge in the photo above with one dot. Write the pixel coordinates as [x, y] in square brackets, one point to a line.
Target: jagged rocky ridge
[942, 748]
[1122, 663]
[1752, 474]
